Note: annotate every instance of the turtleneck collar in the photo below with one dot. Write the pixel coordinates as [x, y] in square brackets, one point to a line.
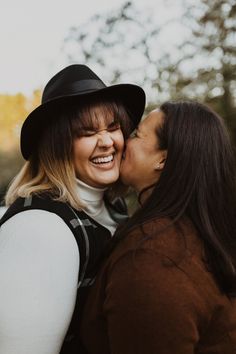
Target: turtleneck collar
[88, 193]
[95, 207]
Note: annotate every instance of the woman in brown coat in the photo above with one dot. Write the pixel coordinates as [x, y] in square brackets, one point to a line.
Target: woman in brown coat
[169, 284]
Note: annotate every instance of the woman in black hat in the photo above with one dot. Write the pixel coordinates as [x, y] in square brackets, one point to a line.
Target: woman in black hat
[59, 218]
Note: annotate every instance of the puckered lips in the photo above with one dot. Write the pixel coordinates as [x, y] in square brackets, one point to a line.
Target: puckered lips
[124, 153]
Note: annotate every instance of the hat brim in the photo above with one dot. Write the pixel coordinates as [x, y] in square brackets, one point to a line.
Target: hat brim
[131, 96]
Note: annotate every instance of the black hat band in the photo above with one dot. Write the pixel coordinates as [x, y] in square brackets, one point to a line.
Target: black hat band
[82, 86]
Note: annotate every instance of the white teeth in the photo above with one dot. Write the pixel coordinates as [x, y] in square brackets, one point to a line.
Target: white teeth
[103, 159]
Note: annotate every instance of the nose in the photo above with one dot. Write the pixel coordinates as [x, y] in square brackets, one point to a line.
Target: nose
[105, 139]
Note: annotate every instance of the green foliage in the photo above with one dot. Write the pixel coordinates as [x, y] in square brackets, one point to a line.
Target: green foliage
[13, 110]
[10, 164]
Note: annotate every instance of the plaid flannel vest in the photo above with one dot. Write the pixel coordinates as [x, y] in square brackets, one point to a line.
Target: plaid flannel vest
[91, 238]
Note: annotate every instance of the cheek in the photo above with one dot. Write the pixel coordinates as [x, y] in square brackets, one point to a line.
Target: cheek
[118, 139]
[82, 149]
[136, 157]
[131, 150]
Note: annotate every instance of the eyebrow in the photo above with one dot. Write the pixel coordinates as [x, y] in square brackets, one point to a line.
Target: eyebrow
[115, 121]
[88, 128]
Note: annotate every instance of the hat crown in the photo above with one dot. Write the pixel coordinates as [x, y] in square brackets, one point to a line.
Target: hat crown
[70, 79]
[74, 84]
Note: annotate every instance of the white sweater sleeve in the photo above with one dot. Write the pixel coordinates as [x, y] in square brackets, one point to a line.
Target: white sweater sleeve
[39, 264]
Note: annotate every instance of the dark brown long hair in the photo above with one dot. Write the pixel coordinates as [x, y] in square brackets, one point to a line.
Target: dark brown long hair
[198, 181]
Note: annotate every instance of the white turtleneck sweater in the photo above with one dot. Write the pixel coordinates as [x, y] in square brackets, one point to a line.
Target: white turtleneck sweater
[39, 265]
[95, 206]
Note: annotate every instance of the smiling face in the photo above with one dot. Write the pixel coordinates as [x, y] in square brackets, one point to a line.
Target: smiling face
[97, 150]
[143, 160]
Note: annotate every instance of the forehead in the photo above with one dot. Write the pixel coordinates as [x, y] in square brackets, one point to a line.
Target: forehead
[95, 117]
[153, 120]
[99, 116]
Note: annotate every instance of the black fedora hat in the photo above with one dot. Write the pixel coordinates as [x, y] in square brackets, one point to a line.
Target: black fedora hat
[75, 82]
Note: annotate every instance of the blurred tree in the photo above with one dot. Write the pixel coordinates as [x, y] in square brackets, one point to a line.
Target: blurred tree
[121, 44]
[10, 164]
[13, 111]
[192, 56]
[207, 70]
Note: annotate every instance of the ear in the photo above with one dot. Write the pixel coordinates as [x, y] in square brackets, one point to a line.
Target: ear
[161, 161]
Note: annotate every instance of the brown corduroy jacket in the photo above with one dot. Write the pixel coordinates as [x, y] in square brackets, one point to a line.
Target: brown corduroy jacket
[157, 297]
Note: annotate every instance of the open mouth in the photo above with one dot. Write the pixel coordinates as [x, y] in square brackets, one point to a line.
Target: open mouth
[103, 159]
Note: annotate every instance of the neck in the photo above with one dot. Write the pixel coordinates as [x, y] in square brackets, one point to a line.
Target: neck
[145, 193]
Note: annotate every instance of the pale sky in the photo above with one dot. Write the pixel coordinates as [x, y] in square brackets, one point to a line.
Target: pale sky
[32, 34]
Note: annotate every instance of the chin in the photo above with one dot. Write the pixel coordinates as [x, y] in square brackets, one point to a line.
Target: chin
[108, 181]
[124, 179]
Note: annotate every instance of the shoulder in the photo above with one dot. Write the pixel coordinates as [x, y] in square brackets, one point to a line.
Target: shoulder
[163, 259]
[41, 230]
[162, 237]
[40, 214]
[167, 255]
[34, 219]
[173, 250]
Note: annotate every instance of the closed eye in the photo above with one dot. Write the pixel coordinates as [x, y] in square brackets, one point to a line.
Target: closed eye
[113, 126]
[90, 132]
[85, 132]
[134, 134]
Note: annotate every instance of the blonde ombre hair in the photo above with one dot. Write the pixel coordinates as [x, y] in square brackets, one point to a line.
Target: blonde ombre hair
[59, 180]
[50, 168]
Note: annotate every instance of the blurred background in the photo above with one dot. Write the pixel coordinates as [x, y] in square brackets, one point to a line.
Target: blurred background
[174, 49]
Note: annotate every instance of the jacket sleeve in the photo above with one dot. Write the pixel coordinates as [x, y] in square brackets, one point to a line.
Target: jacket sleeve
[39, 264]
[151, 307]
